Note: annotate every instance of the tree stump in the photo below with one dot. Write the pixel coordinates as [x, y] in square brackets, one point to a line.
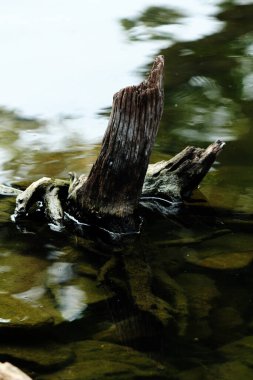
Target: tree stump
[119, 180]
[115, 182]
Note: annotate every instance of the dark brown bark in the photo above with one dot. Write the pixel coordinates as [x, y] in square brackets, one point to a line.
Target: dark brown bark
[115, 182]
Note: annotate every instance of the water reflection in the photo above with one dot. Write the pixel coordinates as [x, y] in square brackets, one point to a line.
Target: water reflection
[32, 295]
[179, 270]
[71, 302]
[148, 25]
[31, 148]
[62, 87]
[208, 96]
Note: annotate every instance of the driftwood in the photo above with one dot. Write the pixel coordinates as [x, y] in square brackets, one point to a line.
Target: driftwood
[120, 180]
[177, 178]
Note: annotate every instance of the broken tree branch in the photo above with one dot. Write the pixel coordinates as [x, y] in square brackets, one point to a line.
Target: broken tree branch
[177, 178]
[115, 181]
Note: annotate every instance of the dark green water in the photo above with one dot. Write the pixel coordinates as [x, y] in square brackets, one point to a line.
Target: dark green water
[176, 303]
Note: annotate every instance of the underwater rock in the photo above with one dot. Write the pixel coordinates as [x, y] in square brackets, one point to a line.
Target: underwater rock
[15, 313]
[200, 291]
[128, 331]
[235, 294]
[40, 356]
[73, 297]
[168, 289]
[140, 283]
[22, 284]
[20, 272]
[232, 370]
[72, 293]
[62, 274]
[241, 349]
[226, 318]
[86, 270]
[198, 329]
[58, 295]
[70, 302]
[110, 332]
[226, 323]
[96, 360]
[221, 261]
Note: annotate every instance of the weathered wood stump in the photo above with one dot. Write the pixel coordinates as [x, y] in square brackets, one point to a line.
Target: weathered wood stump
[178, 177]
[120, 182]
[119, 179]
[115, 182]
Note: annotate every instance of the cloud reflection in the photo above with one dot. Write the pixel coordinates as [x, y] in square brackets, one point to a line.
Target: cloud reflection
[71, 302]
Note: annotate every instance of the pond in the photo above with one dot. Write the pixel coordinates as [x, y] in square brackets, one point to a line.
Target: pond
[177, 302]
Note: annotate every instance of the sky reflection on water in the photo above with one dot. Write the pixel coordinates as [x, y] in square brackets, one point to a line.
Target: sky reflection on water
[62, 63]
[63, 58]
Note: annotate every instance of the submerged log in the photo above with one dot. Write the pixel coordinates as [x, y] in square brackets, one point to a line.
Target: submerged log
[115, 182]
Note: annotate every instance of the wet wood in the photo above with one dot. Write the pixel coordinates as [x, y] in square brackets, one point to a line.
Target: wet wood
[115, 182]
[177, 178]
[119, 180]
[167, 184]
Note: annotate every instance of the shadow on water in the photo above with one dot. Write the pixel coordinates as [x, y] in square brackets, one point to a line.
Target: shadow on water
[176, 303]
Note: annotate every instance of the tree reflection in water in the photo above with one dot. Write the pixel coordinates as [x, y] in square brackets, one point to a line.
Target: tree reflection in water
[208, 89]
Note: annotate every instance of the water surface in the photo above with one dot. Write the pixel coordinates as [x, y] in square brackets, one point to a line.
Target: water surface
[176, 303]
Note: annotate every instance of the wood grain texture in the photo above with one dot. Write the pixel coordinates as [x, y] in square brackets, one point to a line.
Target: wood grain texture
[115, 182]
